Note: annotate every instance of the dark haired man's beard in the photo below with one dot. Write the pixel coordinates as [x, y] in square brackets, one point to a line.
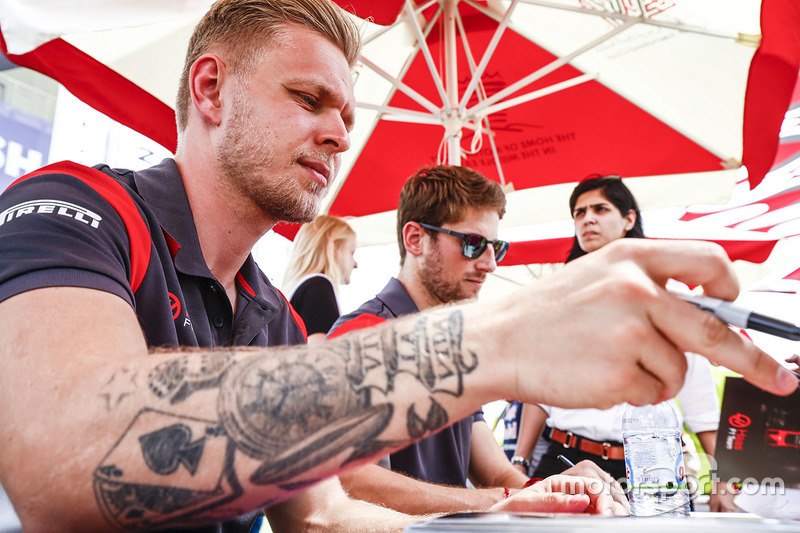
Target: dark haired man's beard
[441, 289]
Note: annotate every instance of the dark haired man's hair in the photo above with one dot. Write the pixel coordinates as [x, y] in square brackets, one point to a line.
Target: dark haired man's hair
[441, 194]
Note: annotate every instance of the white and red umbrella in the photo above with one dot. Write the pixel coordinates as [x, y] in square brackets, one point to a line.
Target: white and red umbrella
[536, 94]
[544, 92]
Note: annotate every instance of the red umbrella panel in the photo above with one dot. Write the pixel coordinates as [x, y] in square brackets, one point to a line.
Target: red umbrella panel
[749, 226]
[559, 137]
[773, 207]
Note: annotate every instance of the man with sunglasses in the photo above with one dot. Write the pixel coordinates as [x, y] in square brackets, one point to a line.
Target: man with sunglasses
[447, 221]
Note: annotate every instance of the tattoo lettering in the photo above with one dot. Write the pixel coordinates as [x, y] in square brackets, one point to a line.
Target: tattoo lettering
[431, 352]
[417, 427]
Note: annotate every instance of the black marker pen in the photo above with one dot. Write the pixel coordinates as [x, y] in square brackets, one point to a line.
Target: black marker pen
[566, 463]
[742, 318]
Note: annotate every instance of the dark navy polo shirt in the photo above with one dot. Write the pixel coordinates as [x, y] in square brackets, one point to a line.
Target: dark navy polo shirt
[132, 234]
[444, 456]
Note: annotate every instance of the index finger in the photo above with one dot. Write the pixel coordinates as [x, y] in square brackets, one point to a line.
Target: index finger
[588, 468]
[693, 330]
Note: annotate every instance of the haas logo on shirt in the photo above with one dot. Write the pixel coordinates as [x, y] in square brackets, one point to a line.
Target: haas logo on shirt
[176, 306]
[52, 207]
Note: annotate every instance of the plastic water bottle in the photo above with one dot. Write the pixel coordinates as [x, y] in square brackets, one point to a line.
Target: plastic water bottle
[657, 483]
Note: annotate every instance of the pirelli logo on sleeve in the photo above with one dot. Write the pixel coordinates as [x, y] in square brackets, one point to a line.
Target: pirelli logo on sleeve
[51, 207]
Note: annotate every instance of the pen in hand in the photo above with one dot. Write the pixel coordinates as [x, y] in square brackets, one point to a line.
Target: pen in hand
[566, 463]
[741, 317]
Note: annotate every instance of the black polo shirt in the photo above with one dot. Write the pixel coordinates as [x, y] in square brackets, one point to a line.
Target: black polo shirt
[444, 456]
[132, 234]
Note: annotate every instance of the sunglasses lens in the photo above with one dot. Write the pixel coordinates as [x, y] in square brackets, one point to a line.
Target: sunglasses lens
[500, 249]
[474, 245]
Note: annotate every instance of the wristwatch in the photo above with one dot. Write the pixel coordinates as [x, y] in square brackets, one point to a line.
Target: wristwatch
[519, 460]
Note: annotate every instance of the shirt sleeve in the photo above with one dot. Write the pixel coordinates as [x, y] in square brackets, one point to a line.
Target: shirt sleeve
[315, 302]
[59, 230]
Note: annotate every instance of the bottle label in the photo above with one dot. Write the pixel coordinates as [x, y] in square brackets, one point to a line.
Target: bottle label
[655, 462]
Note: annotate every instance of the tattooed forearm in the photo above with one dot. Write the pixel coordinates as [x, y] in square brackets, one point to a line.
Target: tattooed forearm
[291, 410]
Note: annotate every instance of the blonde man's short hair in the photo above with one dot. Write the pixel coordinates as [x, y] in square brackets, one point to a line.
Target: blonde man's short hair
[242, 29]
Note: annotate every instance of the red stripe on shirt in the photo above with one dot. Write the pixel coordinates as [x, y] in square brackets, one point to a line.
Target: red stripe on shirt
[296, 316]
[123, 204]
[366, 320]
[244, 284]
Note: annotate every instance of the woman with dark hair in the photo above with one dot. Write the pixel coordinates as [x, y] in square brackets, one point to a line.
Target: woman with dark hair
[591, 205]
[604, 210]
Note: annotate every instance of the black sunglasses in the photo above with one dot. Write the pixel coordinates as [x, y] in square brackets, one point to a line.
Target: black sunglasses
[474, 244]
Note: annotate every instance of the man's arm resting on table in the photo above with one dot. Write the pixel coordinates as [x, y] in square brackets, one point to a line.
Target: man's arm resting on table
[406, 494]
[490, 471]
[488, 464]
[326, 508]
[398, 491]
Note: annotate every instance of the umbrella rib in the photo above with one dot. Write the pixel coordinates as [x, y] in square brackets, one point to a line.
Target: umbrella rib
[397, 22]
[504, 278]
[339, 183]
[577, 80]
[426, 52]
[495, 154]
[487, 55]
[411, 93]
[398, 113]
[481, 95]
[547, 69]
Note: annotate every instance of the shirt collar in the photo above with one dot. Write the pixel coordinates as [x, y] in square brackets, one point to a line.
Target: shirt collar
[162, 188]
[396, 298]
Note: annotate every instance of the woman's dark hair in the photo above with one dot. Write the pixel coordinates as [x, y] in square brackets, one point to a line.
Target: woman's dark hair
[615, 192]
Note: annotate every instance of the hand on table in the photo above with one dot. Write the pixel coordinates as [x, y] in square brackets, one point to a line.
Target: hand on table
[564, 494]
[590, 469]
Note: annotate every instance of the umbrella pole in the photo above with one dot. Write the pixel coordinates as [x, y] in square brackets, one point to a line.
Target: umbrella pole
[453, 121]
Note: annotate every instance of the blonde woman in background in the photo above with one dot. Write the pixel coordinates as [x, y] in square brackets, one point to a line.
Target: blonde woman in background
[321, 260]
